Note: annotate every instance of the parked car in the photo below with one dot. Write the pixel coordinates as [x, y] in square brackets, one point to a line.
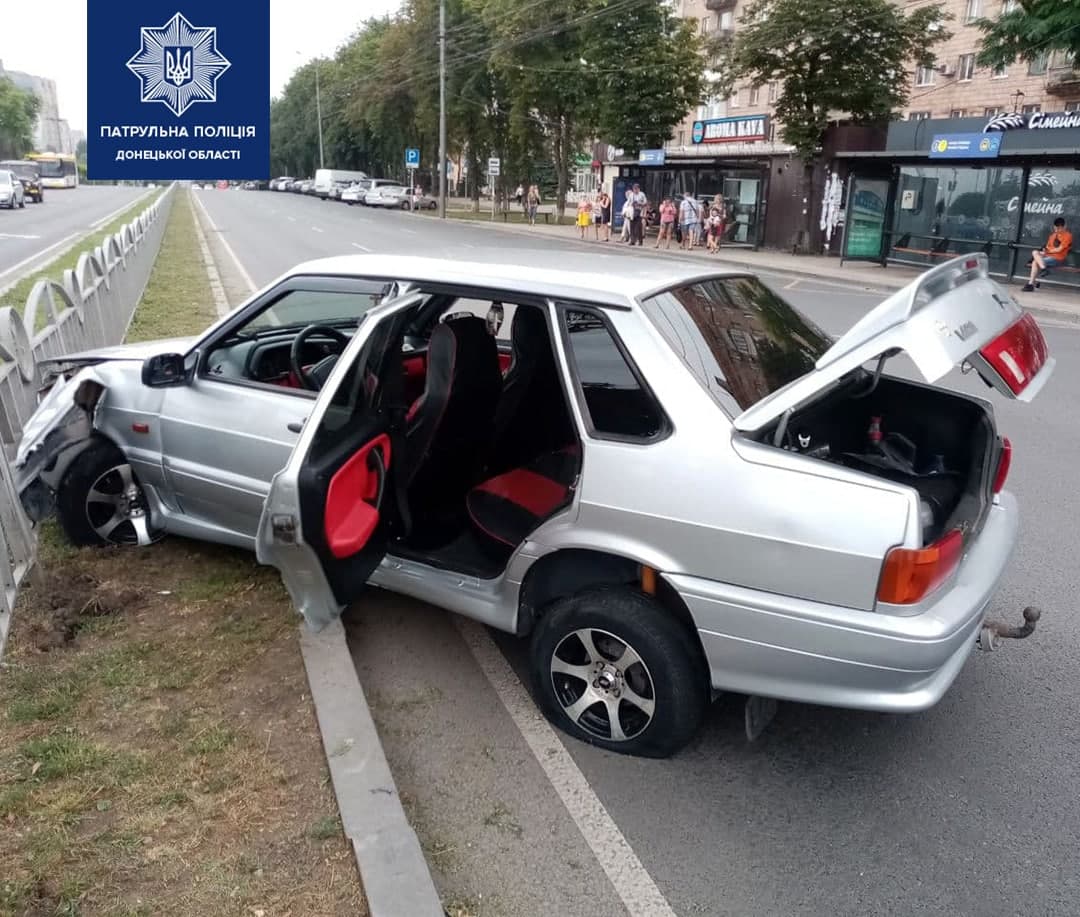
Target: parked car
[358, 191]
[29, 173]
[279, 184]
[12, 194]
[664, 476]
[337, 189]
[385, 196]
[326, 179]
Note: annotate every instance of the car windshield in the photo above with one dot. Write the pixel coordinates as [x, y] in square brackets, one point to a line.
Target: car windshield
[22, 171]
[741, 340]
[51, 167]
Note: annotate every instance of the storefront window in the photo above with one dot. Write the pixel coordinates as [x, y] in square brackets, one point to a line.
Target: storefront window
[1051, 193]
[942, 212]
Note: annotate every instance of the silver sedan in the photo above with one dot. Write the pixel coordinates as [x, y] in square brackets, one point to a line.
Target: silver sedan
[663, 475]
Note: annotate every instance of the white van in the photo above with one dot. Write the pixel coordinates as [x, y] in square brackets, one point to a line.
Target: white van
[325, 178]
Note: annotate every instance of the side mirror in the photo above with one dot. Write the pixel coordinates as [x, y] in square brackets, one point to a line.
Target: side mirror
[163, 370]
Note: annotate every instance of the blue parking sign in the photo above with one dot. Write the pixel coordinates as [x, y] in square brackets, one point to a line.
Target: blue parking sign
[412, 158]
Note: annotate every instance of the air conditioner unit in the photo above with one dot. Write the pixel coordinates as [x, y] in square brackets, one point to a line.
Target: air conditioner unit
[946, 69]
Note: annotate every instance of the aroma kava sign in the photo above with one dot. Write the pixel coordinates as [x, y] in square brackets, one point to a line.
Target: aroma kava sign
[1037, 120]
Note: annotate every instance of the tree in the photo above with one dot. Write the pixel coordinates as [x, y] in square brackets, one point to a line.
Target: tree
[1031, 29]
[643, 96]
[18, 112]
[829, 57]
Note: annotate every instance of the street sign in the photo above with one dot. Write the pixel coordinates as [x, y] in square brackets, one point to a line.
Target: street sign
[412, 159]
[493, 166]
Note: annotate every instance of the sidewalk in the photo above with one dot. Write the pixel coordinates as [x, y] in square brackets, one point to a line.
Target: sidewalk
[1059, 302]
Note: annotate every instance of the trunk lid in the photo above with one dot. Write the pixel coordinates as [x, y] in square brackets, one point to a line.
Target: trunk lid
[954, 314]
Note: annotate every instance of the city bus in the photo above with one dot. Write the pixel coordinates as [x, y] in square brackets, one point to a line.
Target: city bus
[58, 170]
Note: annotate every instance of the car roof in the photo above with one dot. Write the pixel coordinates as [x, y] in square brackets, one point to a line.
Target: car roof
[604, 277]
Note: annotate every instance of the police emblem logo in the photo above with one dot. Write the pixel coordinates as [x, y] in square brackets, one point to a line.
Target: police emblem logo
[178, 64]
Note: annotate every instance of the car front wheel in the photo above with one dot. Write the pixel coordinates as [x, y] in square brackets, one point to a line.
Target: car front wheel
[100, 501]
[613, 668]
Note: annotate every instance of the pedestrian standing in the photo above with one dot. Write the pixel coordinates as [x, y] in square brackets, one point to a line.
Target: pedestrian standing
[519, 194]
[533, 203]
[603, 203]
[637, 223]
[690, 220]
[627, 218]
[668, 213]
[584, 215]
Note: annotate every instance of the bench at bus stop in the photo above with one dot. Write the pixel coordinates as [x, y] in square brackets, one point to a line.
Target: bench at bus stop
[547, 211]
[943, 247]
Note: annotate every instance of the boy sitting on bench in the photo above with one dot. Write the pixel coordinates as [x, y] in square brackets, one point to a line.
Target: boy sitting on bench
[1053, 255]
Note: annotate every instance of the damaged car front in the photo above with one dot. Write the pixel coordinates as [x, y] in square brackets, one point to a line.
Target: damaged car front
[66, 418]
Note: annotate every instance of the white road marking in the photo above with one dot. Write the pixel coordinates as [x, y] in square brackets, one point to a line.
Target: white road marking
[315, 229]
[217, 288]
[631, 881]
[792, 285]
[40, 254]
[292, 219]
[411, 232]
[108, 218]
[362, 248]
[228, 248]
[15, 235]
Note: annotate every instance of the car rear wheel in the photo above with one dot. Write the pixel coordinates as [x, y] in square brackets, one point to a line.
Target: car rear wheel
[100, 501]
[612, 668]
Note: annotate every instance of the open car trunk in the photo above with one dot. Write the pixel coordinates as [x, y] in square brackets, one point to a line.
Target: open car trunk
[942, 444]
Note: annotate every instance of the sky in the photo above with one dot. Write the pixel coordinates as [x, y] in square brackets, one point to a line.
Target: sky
[313, 28]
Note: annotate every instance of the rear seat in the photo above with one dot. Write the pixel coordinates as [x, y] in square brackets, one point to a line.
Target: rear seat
[506, 508]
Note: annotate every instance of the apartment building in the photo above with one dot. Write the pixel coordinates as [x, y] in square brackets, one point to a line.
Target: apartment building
[957, 88]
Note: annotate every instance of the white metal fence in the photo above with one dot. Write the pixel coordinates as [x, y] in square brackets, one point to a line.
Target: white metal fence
[91, 306]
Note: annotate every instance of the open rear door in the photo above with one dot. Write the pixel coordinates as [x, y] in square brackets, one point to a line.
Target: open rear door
[329, 511]
[952, 315]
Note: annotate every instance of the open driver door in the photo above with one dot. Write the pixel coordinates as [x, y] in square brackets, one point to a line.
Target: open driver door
[331, 510]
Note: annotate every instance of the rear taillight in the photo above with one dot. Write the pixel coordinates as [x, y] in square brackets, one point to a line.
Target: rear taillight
[1004, 463]
[911, 574]
[1018, 353]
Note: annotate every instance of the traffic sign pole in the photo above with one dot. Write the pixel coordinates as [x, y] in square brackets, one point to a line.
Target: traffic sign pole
[493, 173]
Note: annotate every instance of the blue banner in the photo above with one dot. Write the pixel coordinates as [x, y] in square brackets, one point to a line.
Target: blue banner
[651, 157]
[178, 90]
[965, 146]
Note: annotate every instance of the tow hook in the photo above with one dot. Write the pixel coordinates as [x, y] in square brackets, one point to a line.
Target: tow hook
[993, 632]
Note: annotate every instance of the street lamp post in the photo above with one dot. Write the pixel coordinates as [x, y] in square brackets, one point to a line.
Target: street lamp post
[318, 112]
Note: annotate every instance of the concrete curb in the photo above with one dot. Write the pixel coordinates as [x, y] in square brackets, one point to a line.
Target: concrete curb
[394, 873]
[885, 283]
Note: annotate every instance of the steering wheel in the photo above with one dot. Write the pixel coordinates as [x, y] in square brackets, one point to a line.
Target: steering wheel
[320, 372]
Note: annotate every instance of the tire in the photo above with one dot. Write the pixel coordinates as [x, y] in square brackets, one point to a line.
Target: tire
[405, 205]
[22, 204]
[101, 469]
[667, 669]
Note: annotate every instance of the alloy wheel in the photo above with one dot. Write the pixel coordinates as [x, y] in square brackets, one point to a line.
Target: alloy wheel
[603, 684]
[116, 508]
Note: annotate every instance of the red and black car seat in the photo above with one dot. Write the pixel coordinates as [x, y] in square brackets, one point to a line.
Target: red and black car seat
[507, 507]
[449, 427]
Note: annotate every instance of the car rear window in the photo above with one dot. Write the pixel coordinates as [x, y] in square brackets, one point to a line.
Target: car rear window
[741, 340]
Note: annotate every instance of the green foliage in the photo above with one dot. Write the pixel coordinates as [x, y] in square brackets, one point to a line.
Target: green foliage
[1033, 28]
[18, 112]
[828, 57]
[530, 83]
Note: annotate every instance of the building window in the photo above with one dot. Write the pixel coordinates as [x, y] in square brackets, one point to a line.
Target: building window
[1037, 67]
[772, 92]
[772, 131]
[1031, 109]
[727, 21]
[735, 98]
[705, 23]
[755, 93]
[973, 10]
[918, 115]
[990, 112]
[1062, 60]
[958, 113]
[1009, 6]
[924, 76]
[966, 70]
[1072, 106]
[1000, 72]
[616, 401]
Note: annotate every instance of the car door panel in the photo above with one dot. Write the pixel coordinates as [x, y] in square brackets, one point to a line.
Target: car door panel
[222, 445]
[331, 509]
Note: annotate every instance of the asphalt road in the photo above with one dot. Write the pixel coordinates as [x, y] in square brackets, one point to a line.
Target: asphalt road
[57, 222]
[972, 808]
